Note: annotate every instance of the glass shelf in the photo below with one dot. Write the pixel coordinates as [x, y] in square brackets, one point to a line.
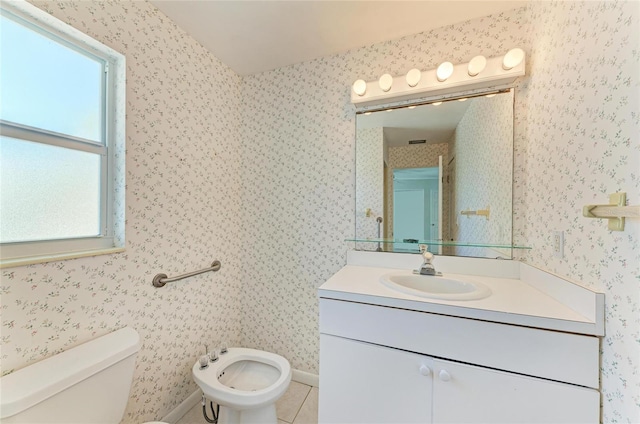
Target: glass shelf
[439, 243]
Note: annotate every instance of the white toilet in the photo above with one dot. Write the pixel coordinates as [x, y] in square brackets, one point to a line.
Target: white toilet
[87, 384]
[246, 383]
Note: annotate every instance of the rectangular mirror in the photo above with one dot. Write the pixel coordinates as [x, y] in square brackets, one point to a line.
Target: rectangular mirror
[438, 173]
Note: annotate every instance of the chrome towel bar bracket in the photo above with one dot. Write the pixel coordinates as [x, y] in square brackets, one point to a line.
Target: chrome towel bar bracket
[161, 279]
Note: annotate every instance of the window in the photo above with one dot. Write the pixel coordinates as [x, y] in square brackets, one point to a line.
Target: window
[61, 121]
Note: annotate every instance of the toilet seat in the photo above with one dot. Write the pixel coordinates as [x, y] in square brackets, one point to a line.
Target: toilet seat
[213, 389]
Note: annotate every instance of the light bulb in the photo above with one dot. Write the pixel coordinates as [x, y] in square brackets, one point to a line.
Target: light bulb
[513, 58]
[413, 77]
[385, 82]
[360, 87]
[444, 71]
[437, 103]
[476, 65]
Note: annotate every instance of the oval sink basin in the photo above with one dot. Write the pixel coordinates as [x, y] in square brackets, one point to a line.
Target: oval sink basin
[435, 287]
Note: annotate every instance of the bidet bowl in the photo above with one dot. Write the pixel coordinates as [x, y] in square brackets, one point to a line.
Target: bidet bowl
[244, 379]
[435, 287]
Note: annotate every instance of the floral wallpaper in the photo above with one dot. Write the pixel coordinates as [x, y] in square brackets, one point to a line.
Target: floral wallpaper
[417, 155]
[299, 193]
[575, 140]
[582, 132]
[483, 151]
[370, 180]
[182, 178]
[258, 172]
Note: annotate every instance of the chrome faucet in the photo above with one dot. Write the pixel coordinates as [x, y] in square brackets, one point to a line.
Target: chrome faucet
[427, 267]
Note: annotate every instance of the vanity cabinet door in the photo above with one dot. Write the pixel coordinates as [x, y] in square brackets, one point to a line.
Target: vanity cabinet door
[469, 394]
[366, 383]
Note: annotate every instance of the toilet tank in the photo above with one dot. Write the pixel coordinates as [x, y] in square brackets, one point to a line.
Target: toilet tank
[87, 384]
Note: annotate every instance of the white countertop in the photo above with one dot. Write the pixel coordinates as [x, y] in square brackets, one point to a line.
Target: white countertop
[513, 301]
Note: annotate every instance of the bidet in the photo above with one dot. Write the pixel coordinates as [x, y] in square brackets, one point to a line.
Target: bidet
[245, 383]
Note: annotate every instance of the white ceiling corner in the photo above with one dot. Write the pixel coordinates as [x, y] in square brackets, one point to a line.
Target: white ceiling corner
[256, 36]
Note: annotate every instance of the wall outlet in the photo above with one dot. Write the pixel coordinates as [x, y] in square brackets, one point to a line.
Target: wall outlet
[558, 244]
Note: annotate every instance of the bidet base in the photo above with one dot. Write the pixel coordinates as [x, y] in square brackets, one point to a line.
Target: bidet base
[264, 415]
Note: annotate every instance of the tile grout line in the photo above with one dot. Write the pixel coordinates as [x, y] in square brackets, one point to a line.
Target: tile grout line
[301, 404]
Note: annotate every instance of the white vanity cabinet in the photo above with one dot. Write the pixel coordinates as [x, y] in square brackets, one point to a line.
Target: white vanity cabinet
[469, 394]
[367, 383]
[387, 365]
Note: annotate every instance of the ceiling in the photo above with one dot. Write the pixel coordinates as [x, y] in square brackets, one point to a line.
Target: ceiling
[433, 123]
[256, 36]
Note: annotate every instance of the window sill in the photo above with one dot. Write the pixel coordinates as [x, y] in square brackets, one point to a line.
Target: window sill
[15, 262]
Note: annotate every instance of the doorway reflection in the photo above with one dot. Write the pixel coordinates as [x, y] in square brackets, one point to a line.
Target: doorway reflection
[416, 207]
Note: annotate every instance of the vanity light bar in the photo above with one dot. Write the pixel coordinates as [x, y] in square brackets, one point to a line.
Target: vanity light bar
[446, 79]
[437, 100]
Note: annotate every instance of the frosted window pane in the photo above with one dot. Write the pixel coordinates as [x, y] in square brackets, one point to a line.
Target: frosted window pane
[47, 192]
[47, 85]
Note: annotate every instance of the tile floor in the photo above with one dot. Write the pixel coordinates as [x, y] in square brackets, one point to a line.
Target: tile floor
[299, 405]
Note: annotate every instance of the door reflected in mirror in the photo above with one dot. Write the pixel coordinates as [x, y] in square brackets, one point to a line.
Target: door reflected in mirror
[440, 174]
[416, 207]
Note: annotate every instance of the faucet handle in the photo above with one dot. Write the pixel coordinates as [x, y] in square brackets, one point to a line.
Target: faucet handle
[428, 256]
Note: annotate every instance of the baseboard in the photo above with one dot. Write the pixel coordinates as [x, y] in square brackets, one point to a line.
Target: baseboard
[179, 411]
[305, 378]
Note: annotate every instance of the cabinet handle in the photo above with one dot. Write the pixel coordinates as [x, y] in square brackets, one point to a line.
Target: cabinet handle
[424, 370]
[444, 375]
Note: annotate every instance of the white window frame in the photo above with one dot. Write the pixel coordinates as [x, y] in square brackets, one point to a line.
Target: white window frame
[111, 238]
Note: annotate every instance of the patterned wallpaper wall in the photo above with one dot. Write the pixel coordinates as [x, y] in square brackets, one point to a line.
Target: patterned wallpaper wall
[582, 131]
[417, 155]
[276, 211]
[575, 141]
[300, 191]
[483, 151]
[370, 180]
[182, 175]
